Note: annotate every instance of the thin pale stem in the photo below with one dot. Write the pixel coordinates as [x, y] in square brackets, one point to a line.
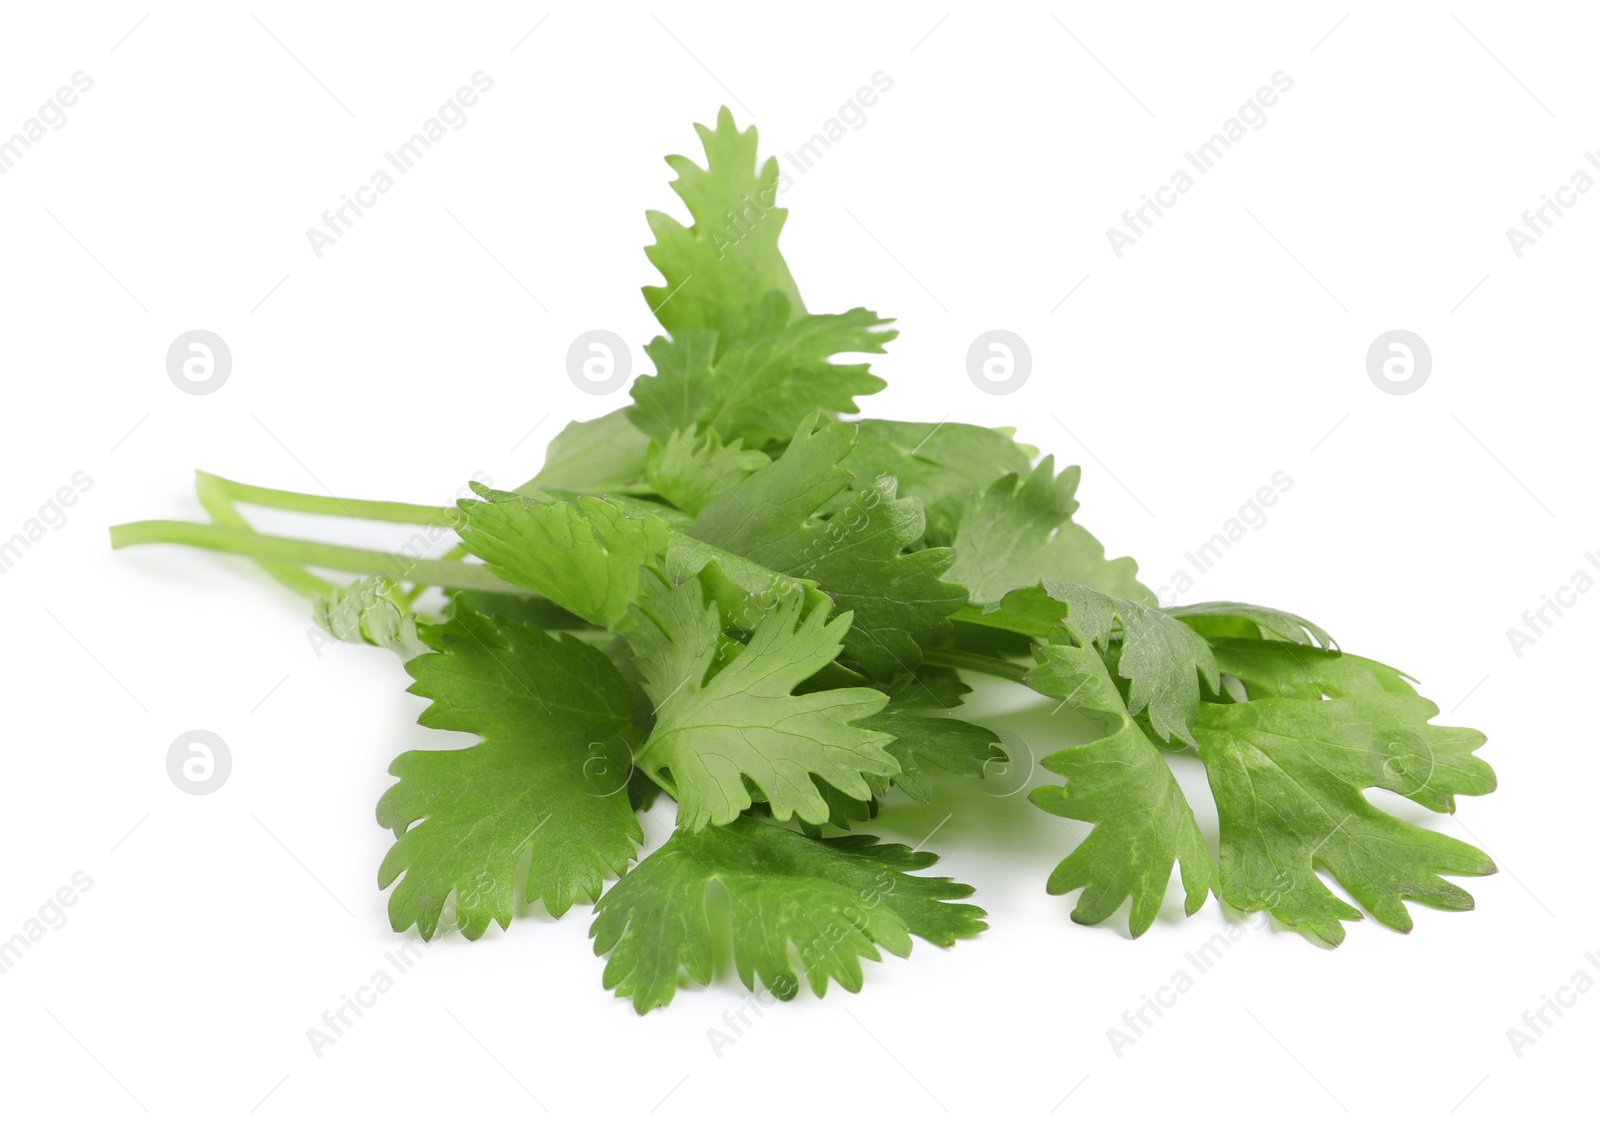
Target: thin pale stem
[392, 512]
[307, 553]
[976, 662]
[215, 500]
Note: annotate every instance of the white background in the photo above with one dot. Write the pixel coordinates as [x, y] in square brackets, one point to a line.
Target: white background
[428, 347]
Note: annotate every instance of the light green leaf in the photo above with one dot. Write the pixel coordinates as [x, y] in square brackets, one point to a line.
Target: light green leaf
[919, 716]
[547, 780]
[1278, 668]
[717, 270]
[583, 556]
[945, 465]
[796, 907]
[745, 592]
[1163, 660]
[1288, 776]
[1240, 619]
[604, 454]
[859, 557]
[759, 517]
[690, 469]
[365, 611]
[717, 726]
[1020, 532]
[758, 379]
[1121, 784]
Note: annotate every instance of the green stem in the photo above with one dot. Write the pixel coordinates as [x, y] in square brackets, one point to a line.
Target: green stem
[976, 662]
[406, 599]
[977, 617]
[307, 553]
[215, 500]
[531, 487]
[666, 787]
[392, 512]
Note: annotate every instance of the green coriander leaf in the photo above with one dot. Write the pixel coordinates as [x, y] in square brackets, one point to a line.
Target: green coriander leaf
[1121, 784]
[745, 592]
[1288, 776]
[1273, 670]
[676, 637]
[586, 553]
[943, 464]
[634, 508]
[365, 611]
[716, 726]
[759, 516]
[1277, 668]
[547, 780]
[864, 560]
[971, 637]
[1158, 655]
[1240, 619]
[583, 556]
[1020, 531]
[758, 379]
[797, 907]
[529, 609]
[605, 454]
[918, 716]
[844, 811]
[691, 469]
[720, 268]
[859, 556]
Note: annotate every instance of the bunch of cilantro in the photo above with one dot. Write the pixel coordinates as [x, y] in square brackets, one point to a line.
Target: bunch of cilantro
[724, 593]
